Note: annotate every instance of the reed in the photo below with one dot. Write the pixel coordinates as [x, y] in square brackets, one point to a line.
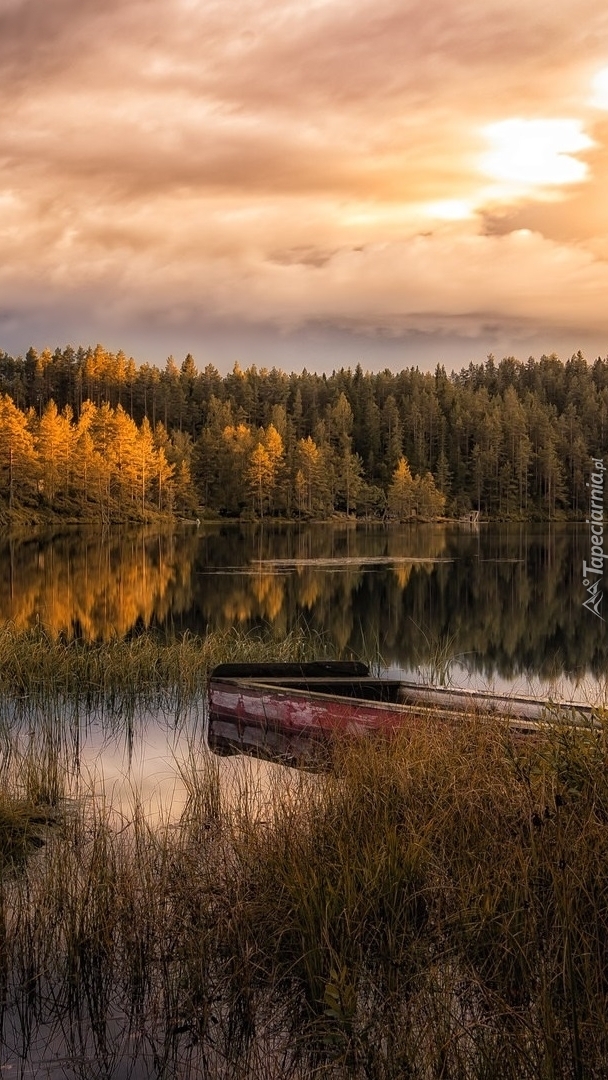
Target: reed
[31, 790]
[122, 674]
[431, 906]
[21, 827]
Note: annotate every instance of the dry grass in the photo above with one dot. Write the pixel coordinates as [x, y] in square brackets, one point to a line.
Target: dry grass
[432, 907]
[120, 675]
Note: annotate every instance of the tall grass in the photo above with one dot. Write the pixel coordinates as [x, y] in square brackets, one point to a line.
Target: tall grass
[436, 906]
[431, 907]
[122, 674]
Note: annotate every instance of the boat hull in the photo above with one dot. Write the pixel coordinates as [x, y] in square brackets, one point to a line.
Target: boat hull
[291, 710]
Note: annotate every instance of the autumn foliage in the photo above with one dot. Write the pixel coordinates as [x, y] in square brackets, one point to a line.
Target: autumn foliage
[89, 432]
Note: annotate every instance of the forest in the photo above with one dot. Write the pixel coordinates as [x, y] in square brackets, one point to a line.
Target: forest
[89, 434]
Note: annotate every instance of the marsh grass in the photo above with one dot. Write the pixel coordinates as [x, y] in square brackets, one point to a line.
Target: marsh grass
[433, 906]
[438, 658]
[436, 906]
[122, 676]
[22, 825]
[31, 793]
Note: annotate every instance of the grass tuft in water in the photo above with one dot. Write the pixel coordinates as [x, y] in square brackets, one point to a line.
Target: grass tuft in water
[121, 675]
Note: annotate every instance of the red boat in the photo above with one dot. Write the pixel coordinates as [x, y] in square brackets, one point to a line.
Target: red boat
[291, 710]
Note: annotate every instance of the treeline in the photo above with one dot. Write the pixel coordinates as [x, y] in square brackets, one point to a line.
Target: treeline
[508, 439]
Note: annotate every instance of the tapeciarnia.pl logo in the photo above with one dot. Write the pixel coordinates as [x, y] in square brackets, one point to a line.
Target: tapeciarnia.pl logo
[594, 569]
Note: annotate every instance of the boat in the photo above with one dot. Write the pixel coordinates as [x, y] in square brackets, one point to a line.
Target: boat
[294, 710]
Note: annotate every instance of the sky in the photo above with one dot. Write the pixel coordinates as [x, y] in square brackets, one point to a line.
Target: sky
[310, 184]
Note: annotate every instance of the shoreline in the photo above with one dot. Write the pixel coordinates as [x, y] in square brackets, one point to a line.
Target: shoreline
[14, 523]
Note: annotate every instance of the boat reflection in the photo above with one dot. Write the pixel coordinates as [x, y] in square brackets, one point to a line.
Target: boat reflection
[301, 750]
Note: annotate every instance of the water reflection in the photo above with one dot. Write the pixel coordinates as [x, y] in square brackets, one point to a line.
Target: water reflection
[94, 585]
[502, 603]
[134, 763]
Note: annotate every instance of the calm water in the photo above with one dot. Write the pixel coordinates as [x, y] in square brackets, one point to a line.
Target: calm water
[492, 606]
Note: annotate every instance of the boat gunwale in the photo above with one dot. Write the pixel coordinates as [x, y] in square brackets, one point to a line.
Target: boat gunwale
[305, 686]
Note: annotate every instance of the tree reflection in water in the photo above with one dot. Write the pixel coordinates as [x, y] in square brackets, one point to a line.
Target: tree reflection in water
[507, 601]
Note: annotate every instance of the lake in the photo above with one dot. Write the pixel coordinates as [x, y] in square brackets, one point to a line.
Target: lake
[494, 605]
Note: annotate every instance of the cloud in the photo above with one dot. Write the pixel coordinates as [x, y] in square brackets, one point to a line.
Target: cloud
[301, 163]
[442, 281]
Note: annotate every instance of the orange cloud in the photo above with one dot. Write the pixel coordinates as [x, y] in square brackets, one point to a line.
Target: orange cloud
[304, 163]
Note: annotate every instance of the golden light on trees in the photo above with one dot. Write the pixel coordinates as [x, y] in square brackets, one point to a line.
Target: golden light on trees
[261, 475]
[414, 497]
[54, 444]
[263, 467]
[400, 494]
[18, 458]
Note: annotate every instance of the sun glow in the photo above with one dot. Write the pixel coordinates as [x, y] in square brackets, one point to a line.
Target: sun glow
[600, 89]
[536, 152]
[449, 209]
